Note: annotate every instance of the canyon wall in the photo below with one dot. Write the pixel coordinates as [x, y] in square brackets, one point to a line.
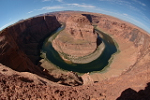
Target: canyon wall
[20, 43]
[117, 27]
[126, 31]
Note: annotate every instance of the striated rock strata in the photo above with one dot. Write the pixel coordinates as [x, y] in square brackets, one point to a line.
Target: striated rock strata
[20, 43]
[77, 39]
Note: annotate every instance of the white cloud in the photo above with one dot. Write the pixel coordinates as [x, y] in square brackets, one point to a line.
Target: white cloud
[120, 2]
[137, 10]
[143, 4]
[81, 5]
[108, 0]
[46, 8]
[134, 21]
[133, 8]
[52, 0]
[125, 14]
[45, 0]
[59, 0]
[145, 18]
[51, 7]
[29, 12]
[4, 26]
[124, 2]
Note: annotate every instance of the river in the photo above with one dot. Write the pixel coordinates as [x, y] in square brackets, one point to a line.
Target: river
[96, 65]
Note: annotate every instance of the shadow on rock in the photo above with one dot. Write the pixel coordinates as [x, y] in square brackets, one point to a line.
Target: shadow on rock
[130, 94]
[69, 78]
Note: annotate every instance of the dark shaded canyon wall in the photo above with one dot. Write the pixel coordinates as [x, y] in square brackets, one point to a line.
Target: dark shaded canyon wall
[20, 43]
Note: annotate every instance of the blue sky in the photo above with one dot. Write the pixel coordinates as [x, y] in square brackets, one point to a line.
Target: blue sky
[133, 11]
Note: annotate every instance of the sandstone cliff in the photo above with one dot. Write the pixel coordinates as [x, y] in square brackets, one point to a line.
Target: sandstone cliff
[78, 39]
[20, 43]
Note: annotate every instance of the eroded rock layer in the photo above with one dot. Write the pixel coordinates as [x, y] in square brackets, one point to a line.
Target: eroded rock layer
[77, 39]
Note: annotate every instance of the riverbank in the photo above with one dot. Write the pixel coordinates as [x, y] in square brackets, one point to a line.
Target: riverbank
[85, 59]
[117, 65]
[105, 50]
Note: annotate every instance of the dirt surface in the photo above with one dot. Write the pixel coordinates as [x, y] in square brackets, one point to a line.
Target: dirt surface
[127, 77]
[23, 85]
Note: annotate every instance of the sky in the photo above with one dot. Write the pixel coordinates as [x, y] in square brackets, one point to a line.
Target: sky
[136, 12]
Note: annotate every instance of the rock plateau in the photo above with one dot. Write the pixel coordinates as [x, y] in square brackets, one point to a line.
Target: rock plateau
[77, 39]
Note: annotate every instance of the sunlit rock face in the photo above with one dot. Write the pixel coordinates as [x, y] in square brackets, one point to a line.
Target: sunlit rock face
[77, 39]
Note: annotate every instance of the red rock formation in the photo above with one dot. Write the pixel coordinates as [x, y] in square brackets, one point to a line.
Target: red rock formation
[78, 39]
[19, 43]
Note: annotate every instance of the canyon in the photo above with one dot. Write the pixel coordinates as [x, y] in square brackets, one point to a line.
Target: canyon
[77, 40]
[22, 77]
[78, 32]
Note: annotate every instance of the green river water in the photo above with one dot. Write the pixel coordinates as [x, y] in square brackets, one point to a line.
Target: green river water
[96, 65]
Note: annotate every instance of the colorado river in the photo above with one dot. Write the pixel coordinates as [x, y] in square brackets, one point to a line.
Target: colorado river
[96, 65]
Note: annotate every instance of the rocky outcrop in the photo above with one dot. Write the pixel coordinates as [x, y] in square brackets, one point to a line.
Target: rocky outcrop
[70, 79]
[78, 39]
[87, 79]
[20, 43]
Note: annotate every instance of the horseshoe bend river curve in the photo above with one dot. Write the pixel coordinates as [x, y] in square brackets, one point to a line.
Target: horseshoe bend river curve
[49, 53]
